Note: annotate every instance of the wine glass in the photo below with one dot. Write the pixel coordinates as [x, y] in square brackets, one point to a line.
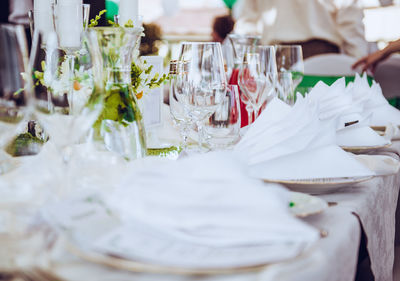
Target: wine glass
[70, 19]
[15, 86]
[201, 87]
[179, 114]
[285, 88]
[223, 127]
[289, 58]
[257, 77]
[52, 80]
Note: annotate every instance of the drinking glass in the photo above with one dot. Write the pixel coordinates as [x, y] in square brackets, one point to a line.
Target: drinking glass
[15, 85]
[201, 88]
[257, 78]
[223, 127]
[285, 88]
[70, 19]
[239, 44]
[289, 58]
[51, 104]
[179, 114]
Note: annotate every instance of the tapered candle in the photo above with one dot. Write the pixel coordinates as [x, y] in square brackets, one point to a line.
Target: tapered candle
[69, 23]
[43, 16]
[128, 10]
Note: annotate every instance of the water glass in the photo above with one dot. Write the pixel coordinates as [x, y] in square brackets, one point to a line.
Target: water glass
[223, 127]
[201, 87]
[284, 87]
[289, 58]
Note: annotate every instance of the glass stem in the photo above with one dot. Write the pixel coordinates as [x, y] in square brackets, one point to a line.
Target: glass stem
[184, 134]
[70, 59]
[250, 114]
[201, 133]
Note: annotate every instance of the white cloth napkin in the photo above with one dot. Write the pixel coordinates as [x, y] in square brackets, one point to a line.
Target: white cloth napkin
[382, 165]
[360, 136]
[347, 105]
[281, 130]
[206, 199]
[335, 102]
[293, 144]
[373, 102]
[201, 211]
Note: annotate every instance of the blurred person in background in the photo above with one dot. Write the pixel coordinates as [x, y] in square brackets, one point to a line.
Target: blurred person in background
[385, 67]
[16, 12]
[319, 26]
[222, 26]
[371, 61]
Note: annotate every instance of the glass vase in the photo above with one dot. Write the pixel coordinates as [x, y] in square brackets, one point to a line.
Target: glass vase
[112, 50]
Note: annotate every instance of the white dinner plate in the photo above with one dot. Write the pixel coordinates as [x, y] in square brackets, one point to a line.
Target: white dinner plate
[304, 205]
[319, 185]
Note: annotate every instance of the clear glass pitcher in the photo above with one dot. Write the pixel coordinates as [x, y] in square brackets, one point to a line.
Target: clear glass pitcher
[112, 51]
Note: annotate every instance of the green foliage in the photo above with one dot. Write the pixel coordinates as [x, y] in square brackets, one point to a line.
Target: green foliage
[94, 22]
[139, 80]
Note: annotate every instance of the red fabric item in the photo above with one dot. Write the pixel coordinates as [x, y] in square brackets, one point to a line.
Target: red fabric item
[234, 81]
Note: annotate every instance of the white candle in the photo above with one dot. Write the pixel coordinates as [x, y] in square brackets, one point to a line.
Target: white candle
[129, 10]
[43, 16]
[69, 23]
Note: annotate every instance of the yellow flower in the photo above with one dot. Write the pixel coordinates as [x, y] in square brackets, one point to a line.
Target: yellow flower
[139, 95]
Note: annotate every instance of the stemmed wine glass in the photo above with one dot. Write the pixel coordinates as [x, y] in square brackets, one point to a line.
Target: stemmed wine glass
[50, 97]
[179, 114]
[289, 58]
[70, 20]
[15, 86]
[200, 87]
[257, 78]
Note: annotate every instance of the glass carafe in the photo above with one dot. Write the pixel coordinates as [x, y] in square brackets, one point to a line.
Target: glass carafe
[120, 125]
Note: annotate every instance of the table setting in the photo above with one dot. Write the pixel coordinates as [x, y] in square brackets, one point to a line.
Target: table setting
[237, 177]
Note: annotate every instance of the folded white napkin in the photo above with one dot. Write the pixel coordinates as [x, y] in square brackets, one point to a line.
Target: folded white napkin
[319, 163]
[359, 136]
[281, 130]
[201, 211]
[335, 102]
[206, 199]
[382, 165]
[292, 143]
[347, 105]
[373, 102]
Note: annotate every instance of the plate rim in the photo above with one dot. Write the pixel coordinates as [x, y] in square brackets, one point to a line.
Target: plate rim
[315, 181]
[143, 267]
[361, 148]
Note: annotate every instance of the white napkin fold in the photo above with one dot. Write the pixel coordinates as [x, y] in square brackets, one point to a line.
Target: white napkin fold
[288, 143]
[209, 200]
[382, 165]
[281, 130]
[319, 163]
[335, 102]
[348, 105]
[359, 136]
[374, 102]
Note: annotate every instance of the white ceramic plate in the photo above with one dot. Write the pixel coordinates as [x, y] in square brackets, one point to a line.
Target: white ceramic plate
[305, 205]
[321, 185]
[364, 149]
